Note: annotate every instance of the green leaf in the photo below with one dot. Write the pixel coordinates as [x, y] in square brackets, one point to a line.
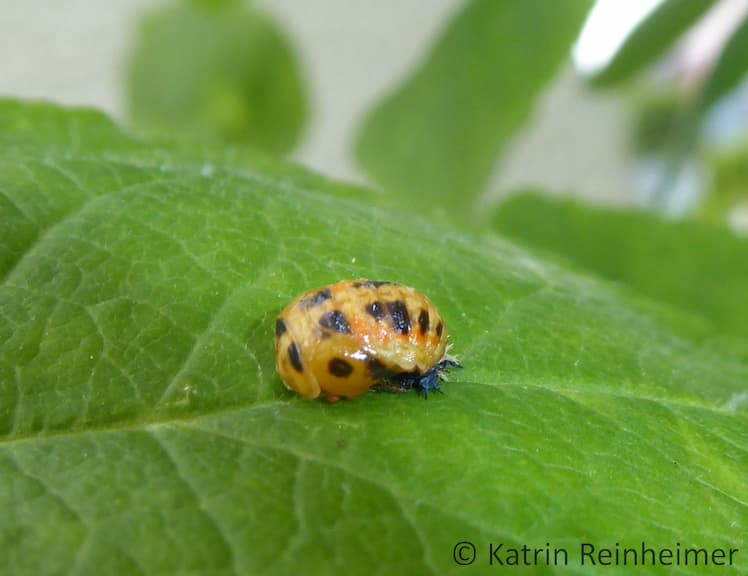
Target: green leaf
[217, 71]
[436, 138]
[694, 266]
[143, 428]
[729, 183]
[729, 70]
[651, 38]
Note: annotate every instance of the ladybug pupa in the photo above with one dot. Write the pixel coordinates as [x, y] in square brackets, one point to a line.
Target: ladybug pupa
[344, 339]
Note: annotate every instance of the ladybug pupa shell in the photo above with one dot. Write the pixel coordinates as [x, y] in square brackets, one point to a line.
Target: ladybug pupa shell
[341, 340]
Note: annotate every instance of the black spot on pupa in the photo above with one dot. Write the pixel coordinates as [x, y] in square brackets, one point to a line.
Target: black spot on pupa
[370, 283]
[400, 318]
[335, 320]
[316, 299]
[339, 367]
[280, 328]
[378, 370]
[423, 321]
[376, 310]
[439, 329]
[295, 357]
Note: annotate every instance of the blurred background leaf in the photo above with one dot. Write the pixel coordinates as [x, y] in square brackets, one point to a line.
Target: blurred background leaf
[651, 38]
[730, 187]
[437, 137]
[729, 69]
[688, 265]
[219, 71]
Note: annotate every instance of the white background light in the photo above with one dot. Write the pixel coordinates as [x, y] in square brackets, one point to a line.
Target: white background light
[608, 24]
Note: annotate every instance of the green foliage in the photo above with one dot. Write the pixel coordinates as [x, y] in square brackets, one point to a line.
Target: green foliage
[143, 428]
[730, 69]
[696, 267]
[669, 123]
[217, 71]
[729, 187]
[439, 134]
[651, 39]
[656, 119]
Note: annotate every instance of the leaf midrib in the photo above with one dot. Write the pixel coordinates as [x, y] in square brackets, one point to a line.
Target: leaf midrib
[569, 393]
